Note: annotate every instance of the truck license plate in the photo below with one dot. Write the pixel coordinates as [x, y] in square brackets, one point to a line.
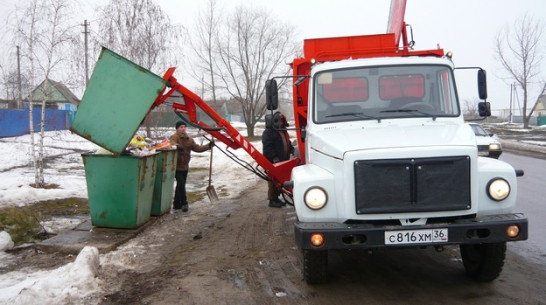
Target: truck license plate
[416, 237]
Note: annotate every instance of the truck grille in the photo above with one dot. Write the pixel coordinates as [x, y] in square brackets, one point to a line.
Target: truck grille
[412, 185]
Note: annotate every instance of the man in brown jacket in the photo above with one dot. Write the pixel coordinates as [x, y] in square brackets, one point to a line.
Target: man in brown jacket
[184, 144]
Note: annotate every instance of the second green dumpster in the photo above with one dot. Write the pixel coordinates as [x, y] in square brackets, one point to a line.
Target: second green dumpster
[164, 182]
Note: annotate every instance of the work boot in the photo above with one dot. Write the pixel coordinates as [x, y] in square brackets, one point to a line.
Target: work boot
[177, 205]
[275, 204]
[185, 208]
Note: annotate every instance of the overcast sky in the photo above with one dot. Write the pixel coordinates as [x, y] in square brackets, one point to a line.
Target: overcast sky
[468, 28]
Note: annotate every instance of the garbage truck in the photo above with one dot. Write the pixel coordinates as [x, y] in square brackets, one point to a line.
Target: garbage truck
[384, 157]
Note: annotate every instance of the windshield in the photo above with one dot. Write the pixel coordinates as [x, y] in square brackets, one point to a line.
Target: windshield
[478, 130]
[375, 93]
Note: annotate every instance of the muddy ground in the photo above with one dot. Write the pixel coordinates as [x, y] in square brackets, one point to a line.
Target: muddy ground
[243, 252]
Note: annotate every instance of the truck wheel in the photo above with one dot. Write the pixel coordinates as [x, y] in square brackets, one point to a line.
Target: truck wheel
[483, 262]
[315, 266]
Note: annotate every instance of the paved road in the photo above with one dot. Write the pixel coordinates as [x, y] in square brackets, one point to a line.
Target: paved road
[532, 202]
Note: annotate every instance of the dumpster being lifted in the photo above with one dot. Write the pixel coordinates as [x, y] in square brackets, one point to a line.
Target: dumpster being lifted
[113, 107]
[120, 187]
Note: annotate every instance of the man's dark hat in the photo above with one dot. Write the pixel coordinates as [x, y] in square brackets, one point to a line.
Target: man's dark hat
[180, 123]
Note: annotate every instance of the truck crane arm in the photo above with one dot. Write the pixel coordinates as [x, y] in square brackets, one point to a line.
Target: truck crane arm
[278, 173]
[396, 24]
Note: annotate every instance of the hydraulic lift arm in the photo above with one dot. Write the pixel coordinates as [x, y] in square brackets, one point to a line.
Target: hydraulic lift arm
[223, 131]
[396, 24]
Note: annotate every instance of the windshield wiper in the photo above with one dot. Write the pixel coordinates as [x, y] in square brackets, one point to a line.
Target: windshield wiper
[355, 114]
[413, 110]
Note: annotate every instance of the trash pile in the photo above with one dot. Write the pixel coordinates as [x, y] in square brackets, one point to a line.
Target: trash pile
[141, 147]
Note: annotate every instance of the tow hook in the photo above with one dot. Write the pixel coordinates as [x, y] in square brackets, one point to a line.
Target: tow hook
[439, 248]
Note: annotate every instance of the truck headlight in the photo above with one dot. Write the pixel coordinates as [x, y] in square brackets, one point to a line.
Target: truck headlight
[315, 198]
[494, 146]
[498, 189]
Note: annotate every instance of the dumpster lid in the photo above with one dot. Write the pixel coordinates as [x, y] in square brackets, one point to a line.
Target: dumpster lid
[117, 98]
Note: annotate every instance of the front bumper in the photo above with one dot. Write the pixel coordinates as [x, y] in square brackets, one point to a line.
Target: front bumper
[488, 229]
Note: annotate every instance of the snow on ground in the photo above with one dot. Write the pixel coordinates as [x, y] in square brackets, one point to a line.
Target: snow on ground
[68, 284]
[17, 172]
[67, 171]
[72, 282]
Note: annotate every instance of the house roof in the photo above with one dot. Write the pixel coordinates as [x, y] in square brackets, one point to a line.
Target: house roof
[541, 103]
[60, 93]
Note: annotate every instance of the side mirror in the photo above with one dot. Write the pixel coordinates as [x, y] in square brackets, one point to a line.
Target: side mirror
[271, 95]
[484, 109]
[482, 84]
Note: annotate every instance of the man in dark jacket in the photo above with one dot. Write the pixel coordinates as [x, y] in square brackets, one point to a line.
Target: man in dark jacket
[276, 148]
[184, 144]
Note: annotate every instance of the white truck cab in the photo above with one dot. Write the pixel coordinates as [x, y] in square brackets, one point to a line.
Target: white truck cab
[390, 162]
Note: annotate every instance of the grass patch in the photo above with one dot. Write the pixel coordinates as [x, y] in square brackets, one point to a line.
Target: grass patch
[197, 169]
[46, 186]
[23, 223]
[222, 191]
[195, 196]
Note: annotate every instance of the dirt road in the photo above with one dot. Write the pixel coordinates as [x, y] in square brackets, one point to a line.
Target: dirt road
[242, 252]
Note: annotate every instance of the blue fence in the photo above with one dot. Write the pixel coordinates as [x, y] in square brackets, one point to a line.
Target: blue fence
[15, 123]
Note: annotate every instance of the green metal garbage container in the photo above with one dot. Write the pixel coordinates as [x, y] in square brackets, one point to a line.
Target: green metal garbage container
[120, 189]
[119, 95]
[164, 182]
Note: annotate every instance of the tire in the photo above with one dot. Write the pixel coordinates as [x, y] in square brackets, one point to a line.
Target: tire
[483, 262]
[315, 266]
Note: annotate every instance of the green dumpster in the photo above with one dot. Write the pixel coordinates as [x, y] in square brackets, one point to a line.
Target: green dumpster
[117, 98]
[120, 189]
[164, 182]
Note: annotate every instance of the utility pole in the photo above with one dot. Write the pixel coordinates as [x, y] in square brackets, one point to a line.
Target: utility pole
[511, 96]
[85, 32]
[20, 95]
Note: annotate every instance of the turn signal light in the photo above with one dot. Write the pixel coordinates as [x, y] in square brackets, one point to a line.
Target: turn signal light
[512, 231]
[317, 240]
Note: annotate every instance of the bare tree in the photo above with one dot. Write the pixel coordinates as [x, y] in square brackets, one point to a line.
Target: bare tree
[470, 109]
[203, 47]
[11, 85]
[140, 31]
[252, 48]
[520, 53]
[43, 32]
